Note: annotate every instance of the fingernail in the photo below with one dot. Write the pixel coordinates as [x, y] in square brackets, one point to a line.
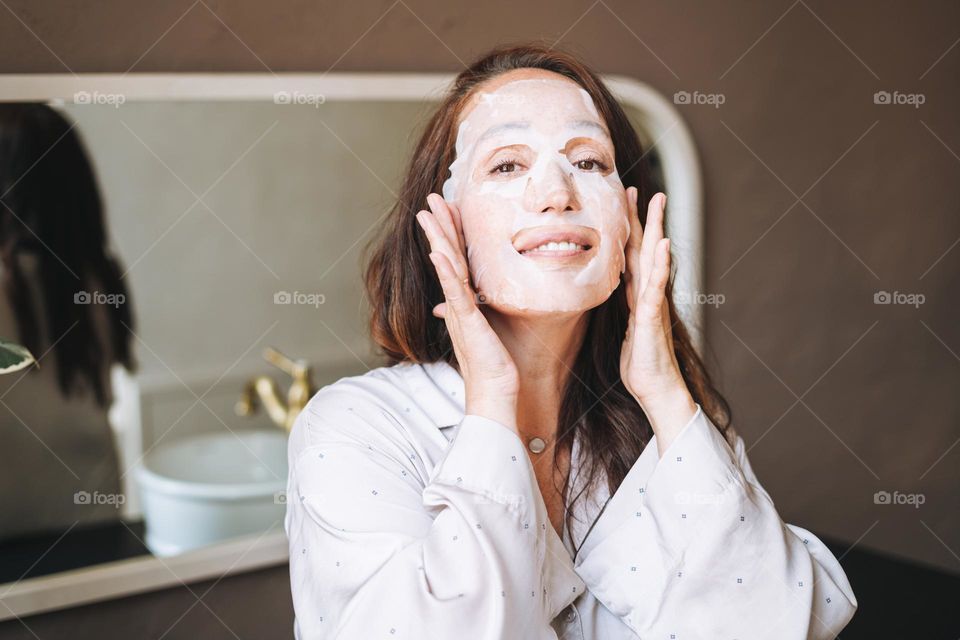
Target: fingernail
[663, 201]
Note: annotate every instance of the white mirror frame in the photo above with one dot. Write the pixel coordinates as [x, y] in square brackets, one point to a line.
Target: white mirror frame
[661, 123]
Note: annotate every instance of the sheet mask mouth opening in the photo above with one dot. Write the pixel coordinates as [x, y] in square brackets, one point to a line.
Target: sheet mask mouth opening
[559, 240]
[557, 249]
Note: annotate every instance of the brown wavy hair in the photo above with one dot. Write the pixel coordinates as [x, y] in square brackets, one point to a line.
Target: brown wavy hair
[403, 287]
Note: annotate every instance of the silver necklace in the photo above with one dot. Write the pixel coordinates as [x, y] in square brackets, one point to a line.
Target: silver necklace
[536, 445]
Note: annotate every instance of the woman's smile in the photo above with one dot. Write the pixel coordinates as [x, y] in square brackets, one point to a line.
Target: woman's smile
[563, 242]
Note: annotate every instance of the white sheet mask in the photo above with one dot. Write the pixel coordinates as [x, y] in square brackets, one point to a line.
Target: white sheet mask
[545, 127]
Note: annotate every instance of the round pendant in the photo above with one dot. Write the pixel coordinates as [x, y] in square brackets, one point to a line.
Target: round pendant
[536, 445]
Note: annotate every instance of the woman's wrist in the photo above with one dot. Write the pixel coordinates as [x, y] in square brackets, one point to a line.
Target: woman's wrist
[499, 408]
[669, 411]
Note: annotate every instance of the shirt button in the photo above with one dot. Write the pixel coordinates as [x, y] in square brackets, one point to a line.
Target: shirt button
[571, 614]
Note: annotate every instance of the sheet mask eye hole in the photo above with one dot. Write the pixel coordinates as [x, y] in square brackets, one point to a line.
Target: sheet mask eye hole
[592, 165]
[505, 167]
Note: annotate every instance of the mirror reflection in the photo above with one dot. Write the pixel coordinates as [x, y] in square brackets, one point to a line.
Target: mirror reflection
[186, 275]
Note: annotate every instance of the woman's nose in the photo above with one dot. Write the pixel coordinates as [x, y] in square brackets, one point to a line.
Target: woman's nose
[553, 191]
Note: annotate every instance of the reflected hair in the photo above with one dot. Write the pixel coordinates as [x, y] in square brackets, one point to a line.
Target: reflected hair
[402, 285]
[50, 206]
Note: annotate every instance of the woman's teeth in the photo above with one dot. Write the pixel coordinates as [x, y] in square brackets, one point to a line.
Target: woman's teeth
[556, 246]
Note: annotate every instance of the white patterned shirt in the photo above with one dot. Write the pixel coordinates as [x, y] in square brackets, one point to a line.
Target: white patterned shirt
[409, 520]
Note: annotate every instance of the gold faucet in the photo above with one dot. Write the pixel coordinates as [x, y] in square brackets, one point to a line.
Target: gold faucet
[281, 413]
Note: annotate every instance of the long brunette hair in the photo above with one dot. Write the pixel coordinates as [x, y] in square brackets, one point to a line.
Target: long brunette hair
[403, 287]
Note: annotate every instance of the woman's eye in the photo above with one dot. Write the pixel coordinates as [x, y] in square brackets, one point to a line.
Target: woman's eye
[590, 164]
[507, 166]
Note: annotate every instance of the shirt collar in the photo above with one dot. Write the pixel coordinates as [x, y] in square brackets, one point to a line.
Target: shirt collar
[439, 390]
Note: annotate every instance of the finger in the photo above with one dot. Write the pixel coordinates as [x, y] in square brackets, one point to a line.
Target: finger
[452, 246]
[634, 242]
[631, 321]
[457, 294]
[652, 234]
[440, 310]
[440, 243]
[654, 294]
[444, 214]
[458, 224]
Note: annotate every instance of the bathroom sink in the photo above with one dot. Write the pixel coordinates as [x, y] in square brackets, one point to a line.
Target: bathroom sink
[205, 488]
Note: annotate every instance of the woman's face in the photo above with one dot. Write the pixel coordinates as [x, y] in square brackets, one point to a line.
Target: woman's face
[543, 210]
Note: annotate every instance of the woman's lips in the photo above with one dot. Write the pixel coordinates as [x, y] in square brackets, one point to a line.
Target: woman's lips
[556, 241]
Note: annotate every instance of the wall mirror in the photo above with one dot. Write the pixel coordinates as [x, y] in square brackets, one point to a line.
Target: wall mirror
[237, 206]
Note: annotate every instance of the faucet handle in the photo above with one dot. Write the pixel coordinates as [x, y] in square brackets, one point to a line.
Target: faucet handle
[282, 362]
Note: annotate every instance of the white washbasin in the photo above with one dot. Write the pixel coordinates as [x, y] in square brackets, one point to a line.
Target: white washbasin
[205, 488]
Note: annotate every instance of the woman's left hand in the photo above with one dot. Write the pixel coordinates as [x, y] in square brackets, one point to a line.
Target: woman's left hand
[648, 364]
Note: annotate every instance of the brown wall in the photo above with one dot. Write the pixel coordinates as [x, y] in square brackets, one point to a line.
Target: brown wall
[839, 397]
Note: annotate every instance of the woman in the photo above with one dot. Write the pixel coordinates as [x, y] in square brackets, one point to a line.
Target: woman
[65, 300]
[550, 459]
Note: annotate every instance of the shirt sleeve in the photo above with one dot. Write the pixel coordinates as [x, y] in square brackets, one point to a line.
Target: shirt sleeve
[377, 551]
[690, 545]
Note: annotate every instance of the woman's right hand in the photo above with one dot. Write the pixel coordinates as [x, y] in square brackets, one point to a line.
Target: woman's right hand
[490, 376]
